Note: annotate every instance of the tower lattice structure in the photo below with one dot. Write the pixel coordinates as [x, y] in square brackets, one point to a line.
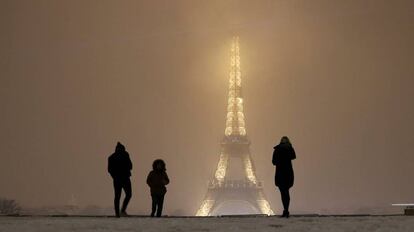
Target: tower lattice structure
[235, 144]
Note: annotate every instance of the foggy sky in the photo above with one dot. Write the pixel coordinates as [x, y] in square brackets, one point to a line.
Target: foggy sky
[334, 76]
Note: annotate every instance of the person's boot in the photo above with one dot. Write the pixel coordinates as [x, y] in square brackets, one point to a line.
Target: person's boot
[285, 214]
[124, 214]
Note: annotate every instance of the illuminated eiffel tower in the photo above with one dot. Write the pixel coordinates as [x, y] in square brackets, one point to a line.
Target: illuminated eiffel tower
[223, 190]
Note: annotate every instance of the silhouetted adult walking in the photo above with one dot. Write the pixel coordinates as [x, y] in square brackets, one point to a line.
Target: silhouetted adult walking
[283, 155]
[120, 166]
[157, 180]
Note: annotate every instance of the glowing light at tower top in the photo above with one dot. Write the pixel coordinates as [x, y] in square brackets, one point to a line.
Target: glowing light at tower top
[235, 124]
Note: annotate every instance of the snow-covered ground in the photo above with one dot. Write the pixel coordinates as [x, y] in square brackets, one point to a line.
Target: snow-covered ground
[228, 224]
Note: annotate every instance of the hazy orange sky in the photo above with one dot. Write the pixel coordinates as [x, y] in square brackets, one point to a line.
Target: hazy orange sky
[78, 76]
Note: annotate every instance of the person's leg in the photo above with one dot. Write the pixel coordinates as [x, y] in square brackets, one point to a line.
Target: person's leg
[128, 194]
[287, 200]
[284, 192]
[117, 191]
[154, 205]
[282, 197]
[160, 205]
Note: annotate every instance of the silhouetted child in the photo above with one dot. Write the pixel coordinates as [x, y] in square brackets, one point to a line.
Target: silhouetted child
[157, 180]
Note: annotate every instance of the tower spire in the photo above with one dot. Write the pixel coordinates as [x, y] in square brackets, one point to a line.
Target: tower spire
[235, 125]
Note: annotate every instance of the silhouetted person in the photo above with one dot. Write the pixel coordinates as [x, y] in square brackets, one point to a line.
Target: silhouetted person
[120, 166]
[157, 180]
[283, 155]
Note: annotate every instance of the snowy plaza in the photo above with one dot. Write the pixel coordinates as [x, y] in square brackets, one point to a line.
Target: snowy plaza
[228, 224]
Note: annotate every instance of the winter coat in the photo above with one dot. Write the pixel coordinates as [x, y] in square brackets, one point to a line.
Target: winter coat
[283, 155]
[119, 165]
[157, 180]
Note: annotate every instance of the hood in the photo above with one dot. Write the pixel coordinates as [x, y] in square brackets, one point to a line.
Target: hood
[119, 147]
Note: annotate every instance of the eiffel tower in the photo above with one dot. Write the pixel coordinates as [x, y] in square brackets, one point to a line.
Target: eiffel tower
[222, 189]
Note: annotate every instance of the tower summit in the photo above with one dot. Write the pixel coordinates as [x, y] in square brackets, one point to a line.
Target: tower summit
[235, 125]
[243, 195]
